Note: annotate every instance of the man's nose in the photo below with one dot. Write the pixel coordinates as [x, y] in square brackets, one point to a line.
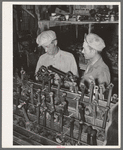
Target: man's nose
[83, 50]
[46, 49]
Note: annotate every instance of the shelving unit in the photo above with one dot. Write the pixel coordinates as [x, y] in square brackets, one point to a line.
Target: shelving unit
[76, 23]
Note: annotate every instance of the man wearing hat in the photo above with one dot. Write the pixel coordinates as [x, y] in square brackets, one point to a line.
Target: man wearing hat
[54, 56]
[96, 69]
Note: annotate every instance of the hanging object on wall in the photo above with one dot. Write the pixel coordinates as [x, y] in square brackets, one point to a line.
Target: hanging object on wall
[61, 12]
[43, 26]
[27, 11]
[37, 12]
[82, 9]
[44, 12]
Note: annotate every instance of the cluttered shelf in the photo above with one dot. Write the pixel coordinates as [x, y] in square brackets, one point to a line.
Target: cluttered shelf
[90, 23]
[60, 23]
[54, 23]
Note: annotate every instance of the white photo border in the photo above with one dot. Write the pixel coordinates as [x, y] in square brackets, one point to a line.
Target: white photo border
[7, 72]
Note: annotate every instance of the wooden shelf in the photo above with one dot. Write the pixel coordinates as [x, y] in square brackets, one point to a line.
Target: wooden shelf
[60, 23]
[54, 23]
[76, 23]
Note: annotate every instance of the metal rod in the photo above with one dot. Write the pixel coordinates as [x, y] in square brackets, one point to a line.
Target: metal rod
[57, 98]
[75, 87]
[101, 93]
[110, 93]
[89, 108]
[93, 137]
[80, 132]
[82, 92]
[96, 93]
[81, 112]
[108, 105]
[71, 129]
[94, 113]
[32, 94]
[89, 134]
[61, 122]
[38, 106]
[52, 109]
[44, 111]
[49, 85]
[77, 105]
[56, 70]
[91, 92]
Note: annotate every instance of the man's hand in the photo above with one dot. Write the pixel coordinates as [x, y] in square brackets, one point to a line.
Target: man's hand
[91, 79]
[86, 82]
[36, 78]
[56, 77]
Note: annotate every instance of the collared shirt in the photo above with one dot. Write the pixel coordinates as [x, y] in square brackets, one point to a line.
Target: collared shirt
[63, 61]
[99, 71]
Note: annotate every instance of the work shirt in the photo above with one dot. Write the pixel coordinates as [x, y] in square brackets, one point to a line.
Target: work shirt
[99, 71]
[63, 61]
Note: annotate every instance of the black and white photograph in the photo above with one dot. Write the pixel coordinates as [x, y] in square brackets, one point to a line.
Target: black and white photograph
[61, 75]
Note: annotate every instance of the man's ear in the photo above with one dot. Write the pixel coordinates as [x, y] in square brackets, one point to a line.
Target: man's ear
[55, 42]
[94, 51]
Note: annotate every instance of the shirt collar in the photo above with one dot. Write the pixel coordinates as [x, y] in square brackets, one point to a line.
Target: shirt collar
[96, 62]
[56, 55]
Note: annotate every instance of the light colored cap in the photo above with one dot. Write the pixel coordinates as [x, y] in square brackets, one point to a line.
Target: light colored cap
[45, 38]
[94, 41]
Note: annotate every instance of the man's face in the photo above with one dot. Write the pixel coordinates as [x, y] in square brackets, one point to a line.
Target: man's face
[50, 49]
[88, 53]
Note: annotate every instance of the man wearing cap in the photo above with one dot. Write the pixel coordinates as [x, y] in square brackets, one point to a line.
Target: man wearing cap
[96, 69]
[54, 56]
